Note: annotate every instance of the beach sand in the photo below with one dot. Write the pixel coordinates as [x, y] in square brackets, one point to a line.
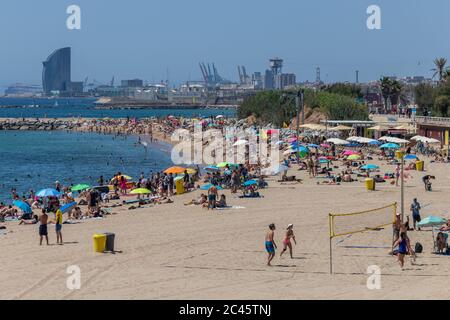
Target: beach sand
[172, 251]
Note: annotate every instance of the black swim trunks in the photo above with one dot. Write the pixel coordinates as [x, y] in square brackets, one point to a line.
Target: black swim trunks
[43, 230]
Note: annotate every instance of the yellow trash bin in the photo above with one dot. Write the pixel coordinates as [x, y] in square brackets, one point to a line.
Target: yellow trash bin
[370, 184]
[419, 165]
[179, 185]
[99, 242]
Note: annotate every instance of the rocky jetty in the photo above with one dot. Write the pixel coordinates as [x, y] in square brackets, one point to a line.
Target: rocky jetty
[39, 124]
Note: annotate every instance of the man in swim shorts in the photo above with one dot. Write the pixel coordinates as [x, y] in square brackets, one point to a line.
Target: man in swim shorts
[270, 243]
[43, 219]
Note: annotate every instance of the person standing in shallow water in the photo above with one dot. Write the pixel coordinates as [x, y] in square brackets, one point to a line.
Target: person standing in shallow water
[270, 243]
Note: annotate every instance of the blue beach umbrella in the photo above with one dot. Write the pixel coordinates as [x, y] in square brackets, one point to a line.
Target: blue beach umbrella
[25, 207]
[389, 146]
[208, 186]
[250, 183]
[411, 157]
[375, 143]
[48, 193]
[431, 221]
[212, 168]
[312, 145]
[67, 207]
[324, 161]
[370, 167]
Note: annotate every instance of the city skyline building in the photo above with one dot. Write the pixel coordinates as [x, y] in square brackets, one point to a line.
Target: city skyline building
[56, 73]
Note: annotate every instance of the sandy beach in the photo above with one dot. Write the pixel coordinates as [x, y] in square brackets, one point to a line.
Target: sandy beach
[172, 251]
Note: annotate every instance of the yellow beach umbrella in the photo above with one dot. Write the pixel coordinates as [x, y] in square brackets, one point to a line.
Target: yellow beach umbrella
[354, 157]
[140, 191]
[175, 170]
[128, 178]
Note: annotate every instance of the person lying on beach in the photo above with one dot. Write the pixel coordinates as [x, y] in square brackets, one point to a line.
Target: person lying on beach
[203, 199]
[285, 178]
[28, 222]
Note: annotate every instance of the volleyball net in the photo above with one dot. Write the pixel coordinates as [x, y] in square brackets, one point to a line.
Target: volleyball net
[342, 224]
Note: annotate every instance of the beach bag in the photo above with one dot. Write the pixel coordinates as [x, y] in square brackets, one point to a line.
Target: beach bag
[418, 248]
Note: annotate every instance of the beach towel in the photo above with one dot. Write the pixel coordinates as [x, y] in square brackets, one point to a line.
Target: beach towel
[231, 207]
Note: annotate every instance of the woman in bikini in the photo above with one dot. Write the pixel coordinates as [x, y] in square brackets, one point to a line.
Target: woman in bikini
[287, 241]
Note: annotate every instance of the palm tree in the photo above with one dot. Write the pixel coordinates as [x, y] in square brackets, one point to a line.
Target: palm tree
[386, 86]
[439, 69]
[446, 76]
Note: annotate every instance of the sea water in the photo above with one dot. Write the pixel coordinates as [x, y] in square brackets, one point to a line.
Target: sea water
[36, 159]
[63, 108]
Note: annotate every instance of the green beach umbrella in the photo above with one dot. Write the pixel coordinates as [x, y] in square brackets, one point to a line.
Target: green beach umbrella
[140, 191]
[80, 187]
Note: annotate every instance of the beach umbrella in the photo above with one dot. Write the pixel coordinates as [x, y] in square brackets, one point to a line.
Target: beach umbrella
[191, 171]
[411, 157]
[208, 186]
[224, 164]
[175, 170]
[325, 145]
[293, 139]
[25, 207]
[389, 145]
[128, 178]
[432, 221]
[354, 157]
[140, 191]
[80, 187]
[240, 143]
[375, 143]
[324, 160]
[67, 207]
[349, 152]
[370, 167]
[274, 170]
[47, 193]
[337, 141]
[219, 116]
[250, 183]
[312, 145]
[212, 168]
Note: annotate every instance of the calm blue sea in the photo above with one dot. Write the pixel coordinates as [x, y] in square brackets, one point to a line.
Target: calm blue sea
[60, 108]
[35, 160]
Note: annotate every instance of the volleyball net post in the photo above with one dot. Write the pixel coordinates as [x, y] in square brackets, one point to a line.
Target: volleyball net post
[373, 219]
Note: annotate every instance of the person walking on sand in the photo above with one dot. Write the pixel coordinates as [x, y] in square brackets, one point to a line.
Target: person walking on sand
[287, 241]
[43, 220]
[415, 209]
[270, 243]
[58, 226]
[404, 247]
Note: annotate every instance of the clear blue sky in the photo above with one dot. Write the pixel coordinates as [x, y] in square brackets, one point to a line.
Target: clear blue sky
[144, 38]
